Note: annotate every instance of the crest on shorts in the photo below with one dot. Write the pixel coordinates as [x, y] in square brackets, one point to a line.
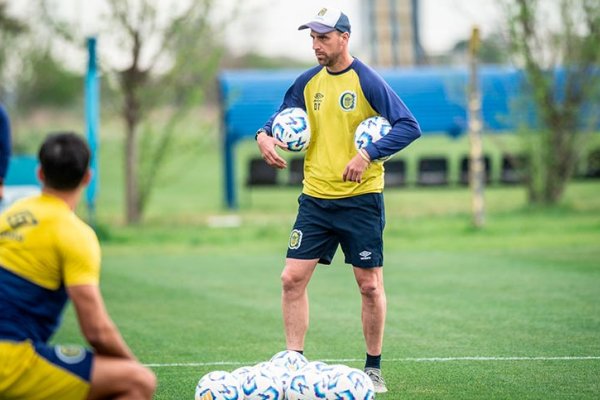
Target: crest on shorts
[70, 354]
[295, 239]
[348, 100]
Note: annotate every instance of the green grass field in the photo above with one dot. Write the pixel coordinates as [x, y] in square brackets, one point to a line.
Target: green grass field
[511, 311]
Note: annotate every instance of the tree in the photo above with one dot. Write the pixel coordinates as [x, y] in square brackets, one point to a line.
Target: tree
[492, 50]
[10, 29]
[562, 68]
[167, 52]
[45, 82]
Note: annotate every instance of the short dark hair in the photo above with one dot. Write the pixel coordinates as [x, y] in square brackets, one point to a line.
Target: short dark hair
[64, 159]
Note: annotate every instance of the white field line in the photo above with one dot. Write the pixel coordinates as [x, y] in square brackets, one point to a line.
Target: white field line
[399, 360]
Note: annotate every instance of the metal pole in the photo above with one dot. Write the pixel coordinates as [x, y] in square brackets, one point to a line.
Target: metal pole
[476, 164]
[92, 109]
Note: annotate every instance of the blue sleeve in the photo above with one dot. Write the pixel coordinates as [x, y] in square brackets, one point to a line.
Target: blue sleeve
[294, 97]
[405, 128]
[4, 142]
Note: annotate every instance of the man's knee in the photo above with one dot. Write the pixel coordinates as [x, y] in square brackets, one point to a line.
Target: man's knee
[290, 282]
[294, 280]
[144, 381]
[371, 288]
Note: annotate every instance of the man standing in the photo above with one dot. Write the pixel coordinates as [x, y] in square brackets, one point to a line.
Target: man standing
[4, 147]
[341, 201]
[48, 256]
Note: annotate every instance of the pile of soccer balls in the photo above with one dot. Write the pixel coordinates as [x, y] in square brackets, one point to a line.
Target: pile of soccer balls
[288, 375]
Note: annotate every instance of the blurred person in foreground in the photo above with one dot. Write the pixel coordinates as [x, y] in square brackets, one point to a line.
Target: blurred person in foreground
[48, 256]
[5, 147]
[341, 201]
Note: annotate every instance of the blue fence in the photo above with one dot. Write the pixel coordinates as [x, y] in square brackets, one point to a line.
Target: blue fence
[22, 171]
[21, 180]
[436, 96]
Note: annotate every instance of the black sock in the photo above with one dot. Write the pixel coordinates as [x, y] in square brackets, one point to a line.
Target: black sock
[299, 351]
[373, 361]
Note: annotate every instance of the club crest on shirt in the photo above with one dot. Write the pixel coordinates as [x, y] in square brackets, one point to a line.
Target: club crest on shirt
[70, 354]
[295, 239]
[348, 100]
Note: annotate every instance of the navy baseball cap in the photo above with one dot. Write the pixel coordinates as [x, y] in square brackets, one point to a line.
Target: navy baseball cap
[328, 20]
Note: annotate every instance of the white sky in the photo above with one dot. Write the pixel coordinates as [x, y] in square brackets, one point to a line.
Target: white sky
[270, 26]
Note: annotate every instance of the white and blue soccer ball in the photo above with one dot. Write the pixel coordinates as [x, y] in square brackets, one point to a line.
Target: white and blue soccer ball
[277, 370]
[261, 383]
[241, 372]
[291, 127]
[218, 385]
[342, 382]
[371, 130]
[282, 373]
[318, 366]
[306, 384]
[290, 360]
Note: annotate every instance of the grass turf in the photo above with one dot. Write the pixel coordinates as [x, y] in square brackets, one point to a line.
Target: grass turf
[521, 294]
[525, 286]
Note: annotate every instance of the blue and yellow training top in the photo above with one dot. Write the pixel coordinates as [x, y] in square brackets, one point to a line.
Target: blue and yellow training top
[44, 248]
[336, 103]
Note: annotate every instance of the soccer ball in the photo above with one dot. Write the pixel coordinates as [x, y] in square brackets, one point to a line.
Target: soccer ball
[282, 373]
[277, 370]
[291, 127]
[306, 384]
[371, 130]
[291, 360]
[241, 372]
[218, 385]
[343, 382]
[262, 384]
[318, 366]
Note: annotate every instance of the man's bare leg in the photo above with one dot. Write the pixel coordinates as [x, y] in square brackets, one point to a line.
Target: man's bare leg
[294, 300]
[370, 283]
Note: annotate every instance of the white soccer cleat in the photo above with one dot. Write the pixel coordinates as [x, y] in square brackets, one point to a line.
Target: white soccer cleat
[378, 381]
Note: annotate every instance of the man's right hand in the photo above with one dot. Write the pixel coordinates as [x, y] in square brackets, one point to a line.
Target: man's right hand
[267, 146]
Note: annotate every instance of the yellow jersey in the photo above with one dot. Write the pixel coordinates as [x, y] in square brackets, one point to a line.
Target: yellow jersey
[44, 248]
[336, 103]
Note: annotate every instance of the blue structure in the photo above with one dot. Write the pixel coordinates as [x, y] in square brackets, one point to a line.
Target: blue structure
[22, 171]
[92, 111]
[437, 96]
[21, 180]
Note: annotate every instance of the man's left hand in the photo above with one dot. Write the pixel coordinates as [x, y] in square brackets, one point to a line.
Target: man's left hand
[355, 168]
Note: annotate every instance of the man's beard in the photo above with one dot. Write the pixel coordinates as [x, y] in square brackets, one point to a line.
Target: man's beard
[326, 60]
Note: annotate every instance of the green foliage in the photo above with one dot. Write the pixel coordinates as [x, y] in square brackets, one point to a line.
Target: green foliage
[493, 49]
[45, 82]
[11, 30]
[561, 101]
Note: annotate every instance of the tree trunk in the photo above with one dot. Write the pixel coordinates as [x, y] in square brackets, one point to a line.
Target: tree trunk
[132, 80]
[131, 115]
[131, 172]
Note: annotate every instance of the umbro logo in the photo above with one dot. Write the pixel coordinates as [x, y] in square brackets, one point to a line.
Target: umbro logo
[317, 101]
[365, 255]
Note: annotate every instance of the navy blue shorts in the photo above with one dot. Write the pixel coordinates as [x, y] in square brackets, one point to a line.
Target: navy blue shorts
[356, 223]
